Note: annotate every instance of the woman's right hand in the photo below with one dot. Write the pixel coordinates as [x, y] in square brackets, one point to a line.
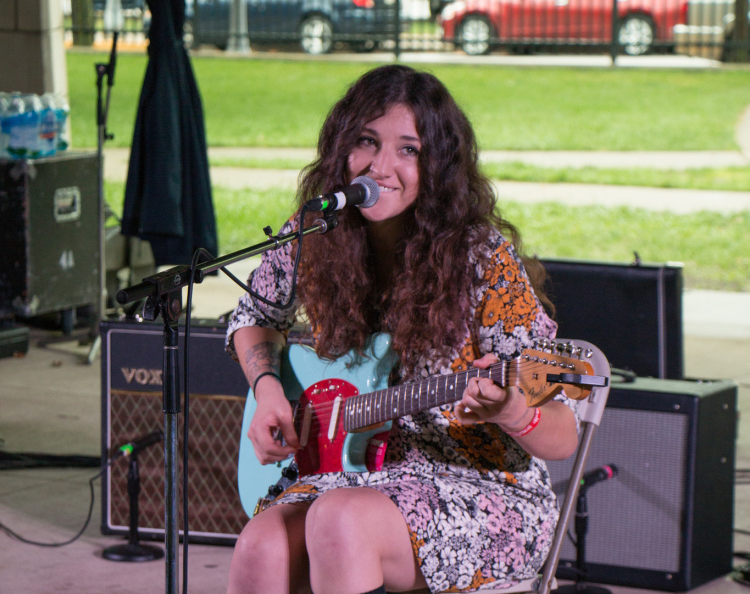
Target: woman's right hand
[272, 420]
[259, 352]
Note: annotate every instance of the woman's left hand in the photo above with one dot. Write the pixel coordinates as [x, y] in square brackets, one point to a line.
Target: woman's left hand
[484, 401]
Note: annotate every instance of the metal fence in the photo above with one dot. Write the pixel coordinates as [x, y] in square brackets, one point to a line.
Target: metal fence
[707, 28]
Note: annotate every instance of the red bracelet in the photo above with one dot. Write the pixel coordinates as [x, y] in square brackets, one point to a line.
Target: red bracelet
[530, 427]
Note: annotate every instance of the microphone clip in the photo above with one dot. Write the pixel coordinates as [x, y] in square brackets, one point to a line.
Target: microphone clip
[327, 222]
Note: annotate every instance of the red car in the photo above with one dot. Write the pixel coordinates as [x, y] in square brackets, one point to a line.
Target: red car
[477, 25]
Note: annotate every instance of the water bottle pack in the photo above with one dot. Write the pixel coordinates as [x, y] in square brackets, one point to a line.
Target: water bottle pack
[32, 127]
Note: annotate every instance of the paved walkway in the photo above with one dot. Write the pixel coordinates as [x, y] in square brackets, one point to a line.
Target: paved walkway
[674, 200]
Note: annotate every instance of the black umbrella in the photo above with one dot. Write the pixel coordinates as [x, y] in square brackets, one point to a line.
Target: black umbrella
[168, 191]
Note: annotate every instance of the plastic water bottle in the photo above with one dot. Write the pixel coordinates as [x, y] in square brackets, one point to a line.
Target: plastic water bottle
[4, 101]
[62, 109]
[13, 111]
[22, 126]
[47, 141]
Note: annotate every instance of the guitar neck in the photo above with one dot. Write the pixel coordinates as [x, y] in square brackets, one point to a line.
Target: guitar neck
[406, 399]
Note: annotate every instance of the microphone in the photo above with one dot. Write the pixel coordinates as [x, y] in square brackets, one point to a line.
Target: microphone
[603, 473]
[363, 192]
[134, 447]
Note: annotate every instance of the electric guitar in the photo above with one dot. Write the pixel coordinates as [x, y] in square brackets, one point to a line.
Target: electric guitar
[343, 409]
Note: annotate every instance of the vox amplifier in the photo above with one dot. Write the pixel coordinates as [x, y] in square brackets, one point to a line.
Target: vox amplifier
[132, 356]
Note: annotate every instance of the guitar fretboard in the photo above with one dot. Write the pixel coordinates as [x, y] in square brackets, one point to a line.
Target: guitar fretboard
[406, 399]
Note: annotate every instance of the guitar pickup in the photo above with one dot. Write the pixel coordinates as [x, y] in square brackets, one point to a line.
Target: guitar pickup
[595, 381]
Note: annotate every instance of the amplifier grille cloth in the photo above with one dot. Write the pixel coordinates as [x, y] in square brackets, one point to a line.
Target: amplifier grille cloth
[636, 519]
[215, 425]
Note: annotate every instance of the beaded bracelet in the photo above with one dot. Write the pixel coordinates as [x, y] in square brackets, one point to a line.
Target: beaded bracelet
[530, 427]
[257, 379]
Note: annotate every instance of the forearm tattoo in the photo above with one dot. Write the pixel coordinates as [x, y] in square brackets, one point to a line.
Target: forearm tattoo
[265, 356]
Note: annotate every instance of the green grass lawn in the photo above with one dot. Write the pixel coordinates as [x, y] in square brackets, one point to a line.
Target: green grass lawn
[282, 103]
[279, 103]
[715, 248]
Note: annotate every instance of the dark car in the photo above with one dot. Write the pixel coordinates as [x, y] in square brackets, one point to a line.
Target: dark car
[315, 24]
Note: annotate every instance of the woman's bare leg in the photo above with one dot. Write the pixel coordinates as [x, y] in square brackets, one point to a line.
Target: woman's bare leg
[357, 541]
[270, 556]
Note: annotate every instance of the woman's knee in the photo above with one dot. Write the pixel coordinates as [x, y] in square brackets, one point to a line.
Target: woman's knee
[363, 531]
[334, 516]
[345, 518]
[272, 538]
[258, 545]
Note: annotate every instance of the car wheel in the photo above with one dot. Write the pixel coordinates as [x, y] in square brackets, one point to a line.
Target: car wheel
[187, 34]
[316, 35]
[363, 47]
[475, 35]
[636, 34]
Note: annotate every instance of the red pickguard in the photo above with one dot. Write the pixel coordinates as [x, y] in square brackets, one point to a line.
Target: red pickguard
[321, 454]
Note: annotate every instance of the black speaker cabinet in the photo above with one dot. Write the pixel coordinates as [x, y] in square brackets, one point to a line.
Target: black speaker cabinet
[665, 521]
[132, 356]
[633, 313]
[49, 234]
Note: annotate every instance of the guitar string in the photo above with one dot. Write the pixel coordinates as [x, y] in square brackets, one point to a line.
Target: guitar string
[322, 409]
[329, 405]
[411, 385]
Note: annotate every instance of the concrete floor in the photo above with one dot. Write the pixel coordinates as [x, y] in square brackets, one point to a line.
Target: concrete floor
[50, 402]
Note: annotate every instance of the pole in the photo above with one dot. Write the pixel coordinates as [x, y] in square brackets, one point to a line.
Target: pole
[614, 46]
[102, 111]
[239, 40]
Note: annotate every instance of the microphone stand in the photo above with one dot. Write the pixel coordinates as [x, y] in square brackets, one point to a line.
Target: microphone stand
[133, 550]
[102, 112]
[581, 528]
[163, 294]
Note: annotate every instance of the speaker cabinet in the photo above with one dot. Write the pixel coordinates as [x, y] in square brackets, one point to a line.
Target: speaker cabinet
[132, 356]
[665, 521]
[633, 313]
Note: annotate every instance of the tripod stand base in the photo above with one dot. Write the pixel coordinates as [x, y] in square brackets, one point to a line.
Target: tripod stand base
[133, 553]
[581, 588]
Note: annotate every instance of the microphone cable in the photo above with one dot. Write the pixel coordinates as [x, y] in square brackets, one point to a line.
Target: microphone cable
[15, 535]
[290, 300]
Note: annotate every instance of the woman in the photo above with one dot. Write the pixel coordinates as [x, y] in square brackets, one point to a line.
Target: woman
[463, 499]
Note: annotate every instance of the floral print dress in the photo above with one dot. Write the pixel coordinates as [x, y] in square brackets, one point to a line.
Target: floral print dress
[481, 512]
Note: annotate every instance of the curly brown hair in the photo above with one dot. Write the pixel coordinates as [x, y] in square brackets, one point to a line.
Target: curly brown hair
[428, 307]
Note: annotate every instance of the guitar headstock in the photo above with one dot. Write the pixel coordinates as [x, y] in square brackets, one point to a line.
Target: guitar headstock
[543, 372]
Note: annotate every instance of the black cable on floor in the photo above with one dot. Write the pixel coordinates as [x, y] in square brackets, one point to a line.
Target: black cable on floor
[20, 538]
[17, 461]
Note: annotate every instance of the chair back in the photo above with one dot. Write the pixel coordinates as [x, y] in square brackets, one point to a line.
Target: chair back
[591, 410]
